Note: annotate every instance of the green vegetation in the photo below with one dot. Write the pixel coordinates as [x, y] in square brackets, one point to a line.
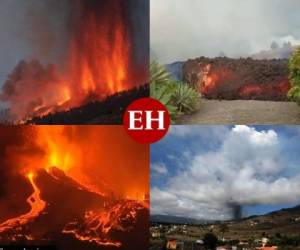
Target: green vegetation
[178, 97]
[210, 241]
[294, 68]
[284, 242]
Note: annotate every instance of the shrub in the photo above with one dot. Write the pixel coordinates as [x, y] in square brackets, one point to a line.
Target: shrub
[210, 241]
[179, 98]
[294, 68]
[162, 87]
[185, 98]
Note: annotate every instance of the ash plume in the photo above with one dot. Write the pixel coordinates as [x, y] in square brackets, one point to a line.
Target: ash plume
[236, 209]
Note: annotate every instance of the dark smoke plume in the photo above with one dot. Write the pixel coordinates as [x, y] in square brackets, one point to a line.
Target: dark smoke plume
[235, 209]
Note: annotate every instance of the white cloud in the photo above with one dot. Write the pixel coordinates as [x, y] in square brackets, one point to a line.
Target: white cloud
[246, 170]
[159, 168]
[257, 138]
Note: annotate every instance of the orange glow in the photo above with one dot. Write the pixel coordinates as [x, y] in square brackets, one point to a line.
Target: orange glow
[222, 82]
[97, 162]
[249, 90]
[211, 79]
[37, 205]
[102, 158]
[102, 223]
[30, 176]
[98, 63]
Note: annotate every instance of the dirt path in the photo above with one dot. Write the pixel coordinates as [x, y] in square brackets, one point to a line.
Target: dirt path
[243, 112]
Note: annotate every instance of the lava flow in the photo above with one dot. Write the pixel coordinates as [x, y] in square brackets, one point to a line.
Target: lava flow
[96, 225]
[37, 206]
[231, 79]
[211, 79]
[107, 201]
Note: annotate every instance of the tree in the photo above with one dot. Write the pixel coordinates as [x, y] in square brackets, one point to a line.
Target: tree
[210, 241]
[294, 69]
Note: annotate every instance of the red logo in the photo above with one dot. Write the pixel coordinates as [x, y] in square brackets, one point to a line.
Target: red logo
[146, 120]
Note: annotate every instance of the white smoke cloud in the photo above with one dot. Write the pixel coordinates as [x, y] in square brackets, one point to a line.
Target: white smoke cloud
[191, 28]
[246, 170]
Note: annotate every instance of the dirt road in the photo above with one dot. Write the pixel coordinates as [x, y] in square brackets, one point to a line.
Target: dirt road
[243, 112]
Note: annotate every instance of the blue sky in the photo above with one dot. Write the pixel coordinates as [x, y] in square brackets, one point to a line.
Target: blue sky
[197, 170]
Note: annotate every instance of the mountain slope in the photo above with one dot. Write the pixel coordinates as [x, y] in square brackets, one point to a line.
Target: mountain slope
[76, 218]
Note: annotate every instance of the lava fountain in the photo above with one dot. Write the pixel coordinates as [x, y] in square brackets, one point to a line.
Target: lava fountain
[98, 62]
[108, 201]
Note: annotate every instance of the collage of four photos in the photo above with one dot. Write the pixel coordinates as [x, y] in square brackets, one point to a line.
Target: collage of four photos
[226, 176]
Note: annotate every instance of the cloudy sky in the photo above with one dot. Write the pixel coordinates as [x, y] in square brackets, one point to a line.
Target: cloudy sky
[199, 171]
[191, 28]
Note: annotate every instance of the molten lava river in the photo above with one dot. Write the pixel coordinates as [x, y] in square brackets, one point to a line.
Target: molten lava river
[73, 196]
[37, 206]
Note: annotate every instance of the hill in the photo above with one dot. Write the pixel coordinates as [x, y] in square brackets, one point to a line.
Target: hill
[167, 219]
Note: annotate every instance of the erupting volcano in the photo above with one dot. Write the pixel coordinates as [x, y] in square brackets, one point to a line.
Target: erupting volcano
[99, 61]
[74, 204]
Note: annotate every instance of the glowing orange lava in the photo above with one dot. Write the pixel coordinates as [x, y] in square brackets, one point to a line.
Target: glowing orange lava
[97, 64]
[97, 162]
[96, 225]
[211, 79]
[37, 206]
[249, 90]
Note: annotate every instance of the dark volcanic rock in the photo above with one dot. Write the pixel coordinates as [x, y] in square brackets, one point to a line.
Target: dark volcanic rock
[225, 78]
[77, 218]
